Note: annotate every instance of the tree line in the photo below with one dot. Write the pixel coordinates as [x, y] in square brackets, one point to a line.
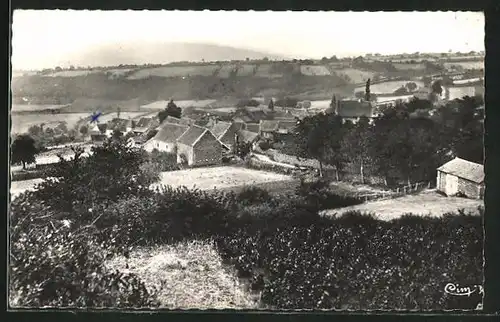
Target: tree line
[404, 144]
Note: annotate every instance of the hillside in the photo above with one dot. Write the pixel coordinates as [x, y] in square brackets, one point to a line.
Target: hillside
[303, 79]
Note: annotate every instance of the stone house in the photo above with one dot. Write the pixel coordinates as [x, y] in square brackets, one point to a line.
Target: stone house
[461, 176]
[352, 110]
[198, 146]
[166, 138]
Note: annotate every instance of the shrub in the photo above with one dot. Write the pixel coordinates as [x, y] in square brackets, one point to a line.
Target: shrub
[264, 145]
[318, 195]
[247, 102]
[253, 195]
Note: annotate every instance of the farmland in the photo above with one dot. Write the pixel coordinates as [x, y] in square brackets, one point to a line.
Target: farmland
[409, 66]
[218, 177]
[354, 75]
[465, 64]
[425, 203]
[314, 70]
[22, 122]
[246, 70]
[34, 107]
[389, 87]
[267, 72]
[174, 71]
[159, 105]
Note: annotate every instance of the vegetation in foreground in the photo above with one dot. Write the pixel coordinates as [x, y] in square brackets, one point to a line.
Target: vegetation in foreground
[63, 234]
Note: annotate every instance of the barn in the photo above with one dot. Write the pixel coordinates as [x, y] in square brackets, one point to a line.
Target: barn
[198, 146]
[460, 176]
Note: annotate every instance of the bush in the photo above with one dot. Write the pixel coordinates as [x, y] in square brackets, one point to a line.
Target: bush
[318, 195]
[247, 102]
[60, 265]
[253, 195]
[358, 262]
[264, 145]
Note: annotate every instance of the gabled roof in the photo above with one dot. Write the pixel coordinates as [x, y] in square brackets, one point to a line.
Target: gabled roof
[352, 108]
[464, 169]
[102, 127]
[253, 127]
[219, 128]
[143, 122]
[170, 132]
[192, 135]
[247, 136]
[269, 126]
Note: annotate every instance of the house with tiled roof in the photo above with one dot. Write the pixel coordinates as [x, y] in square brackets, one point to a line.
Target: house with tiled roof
[268, 129]
[226, 133]
[166, 138]
[460, 176]
[199, 146]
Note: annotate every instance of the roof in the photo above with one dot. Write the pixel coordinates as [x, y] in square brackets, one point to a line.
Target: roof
[219, 128]
[464, 169]
[170, 132]
[102, 127]
[253, 127]
[144, 122]
[352, 108]
[247, 136]
[269, 126]
[192, 135]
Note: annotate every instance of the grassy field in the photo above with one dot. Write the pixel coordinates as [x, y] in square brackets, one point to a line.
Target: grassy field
[21, 123]
[355, 76]
[34, 107]
[174, 71]
[425, 203]
[409, 66]
[265, 71]
[313, 70]
[18, 187]
[187, 275]
[389, 87]
[73, 73]
[218, 177]
[246, 70]
[466, 64]
[183, 103]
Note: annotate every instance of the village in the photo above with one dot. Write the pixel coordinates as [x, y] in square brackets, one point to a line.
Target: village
[220, 177]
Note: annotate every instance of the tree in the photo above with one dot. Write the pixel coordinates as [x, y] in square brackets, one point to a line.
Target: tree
[367, 90]
[117, 134]
[243, 149]
[84, 130]
[319, 137]
[271, 105]
[23, 150]
[333, 103]
[170, 110]
[411, 86]
[401, 91]
[355, 145]
[34, 130]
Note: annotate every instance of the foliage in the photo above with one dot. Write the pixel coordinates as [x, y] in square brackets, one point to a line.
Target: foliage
[23, 150]
[271, 105]
[165, 161]
[292, 265]
[318, 196]
[286, 102]
[243, 149]
[247, 102]
[171, 110]
[253, 195]
[264, 145]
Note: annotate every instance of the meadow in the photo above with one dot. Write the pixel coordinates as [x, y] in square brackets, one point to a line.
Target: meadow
[174, 71]
[389, 87]
[266, 71]
[426, 203]
[314, 70]
[159, 105]
[217, 177]
[354, 75]
[410, 66]
[34, 107]
[246, 70]
[465, 64]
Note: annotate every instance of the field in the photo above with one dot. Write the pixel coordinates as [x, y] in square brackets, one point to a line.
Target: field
[459, 92]
[73, 73]
[314, 70]
[246, 70]
[18, 187]
[34, 107]
[218, 177]
[409, 66]
[226, 70]
[159, 105]
[174, 71]
[393, 98]
[388, 87]
[355, 76]
[265, 71]
[320, 105]
[425, 203]
[21, 123]
[466, 64]
[187, 275]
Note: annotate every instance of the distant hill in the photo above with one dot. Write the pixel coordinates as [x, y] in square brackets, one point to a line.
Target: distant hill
[163, 53]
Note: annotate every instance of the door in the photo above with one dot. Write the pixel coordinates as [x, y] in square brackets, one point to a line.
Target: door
[451, 185]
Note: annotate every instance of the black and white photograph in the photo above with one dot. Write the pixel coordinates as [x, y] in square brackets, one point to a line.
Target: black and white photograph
[246, 160]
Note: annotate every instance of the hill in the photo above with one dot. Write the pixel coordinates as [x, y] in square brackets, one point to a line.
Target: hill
[162, 53]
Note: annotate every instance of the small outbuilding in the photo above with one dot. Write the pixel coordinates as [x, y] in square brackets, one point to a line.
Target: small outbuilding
[460, 176]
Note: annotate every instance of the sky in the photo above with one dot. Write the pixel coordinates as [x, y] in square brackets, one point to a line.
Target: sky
[42, 38]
